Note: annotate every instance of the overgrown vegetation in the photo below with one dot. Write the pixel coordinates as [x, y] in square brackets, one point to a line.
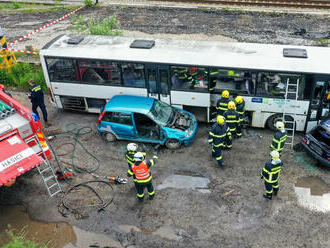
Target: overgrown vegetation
[20, 74]
[33, 7]
[108, 26]
[90, 3]
[19, 241]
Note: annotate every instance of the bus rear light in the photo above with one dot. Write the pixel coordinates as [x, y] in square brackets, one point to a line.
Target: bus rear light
[101, 117]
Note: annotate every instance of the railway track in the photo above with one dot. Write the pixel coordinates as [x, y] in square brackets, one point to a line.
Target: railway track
[305, 4]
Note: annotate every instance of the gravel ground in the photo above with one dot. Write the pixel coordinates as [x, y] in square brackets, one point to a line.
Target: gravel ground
[232, 213]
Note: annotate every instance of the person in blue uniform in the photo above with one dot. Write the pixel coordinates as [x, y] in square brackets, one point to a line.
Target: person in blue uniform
[37, 99]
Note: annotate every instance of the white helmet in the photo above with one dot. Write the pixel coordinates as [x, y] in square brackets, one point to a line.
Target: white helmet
[132, 147]
[274, 154]
[138, 156]
[279, 125]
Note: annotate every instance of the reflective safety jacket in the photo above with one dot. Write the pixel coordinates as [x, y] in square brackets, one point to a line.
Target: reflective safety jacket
[232, 119]
[240, 108]
[36, 94]
[142, 172]
[222, 105]
[279, 140]
[130, 161]
[271, 172]
[218, 135]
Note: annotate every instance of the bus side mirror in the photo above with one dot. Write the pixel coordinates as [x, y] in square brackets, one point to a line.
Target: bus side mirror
[102, 108]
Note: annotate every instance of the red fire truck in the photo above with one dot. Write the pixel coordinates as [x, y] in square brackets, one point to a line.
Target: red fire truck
[22, 144]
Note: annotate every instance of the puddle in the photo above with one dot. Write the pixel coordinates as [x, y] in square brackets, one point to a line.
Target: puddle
[313, 193]
[186, 182]
[166, 232]
[56, 235]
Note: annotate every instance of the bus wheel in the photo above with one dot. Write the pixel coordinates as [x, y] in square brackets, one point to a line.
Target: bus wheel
[172, 144]
[271, 121]
[109, 137]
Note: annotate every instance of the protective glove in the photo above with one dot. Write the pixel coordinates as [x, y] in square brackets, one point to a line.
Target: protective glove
[230, 137]
[154, 157]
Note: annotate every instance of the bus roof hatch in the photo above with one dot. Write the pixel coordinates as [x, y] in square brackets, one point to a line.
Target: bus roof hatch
[74, 40]
[294, 53]
[145, 44]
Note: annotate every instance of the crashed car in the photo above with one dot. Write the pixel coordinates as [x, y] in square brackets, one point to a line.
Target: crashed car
[146, 119]
[317, 142]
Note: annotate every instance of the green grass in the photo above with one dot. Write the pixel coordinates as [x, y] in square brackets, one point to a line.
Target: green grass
[20, 74]
[19, 241]
[108, 26]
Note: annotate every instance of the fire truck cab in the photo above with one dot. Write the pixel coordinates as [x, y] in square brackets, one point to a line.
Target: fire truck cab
[22, 142]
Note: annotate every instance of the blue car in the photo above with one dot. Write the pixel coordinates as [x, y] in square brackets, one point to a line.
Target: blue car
[317, 142]
[146, 119]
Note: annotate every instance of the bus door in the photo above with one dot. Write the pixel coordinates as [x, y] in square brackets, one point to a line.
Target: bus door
[158, 83]
[320, 103]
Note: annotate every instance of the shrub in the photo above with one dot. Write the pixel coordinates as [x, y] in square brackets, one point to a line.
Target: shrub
[19, 241]
[108, 26]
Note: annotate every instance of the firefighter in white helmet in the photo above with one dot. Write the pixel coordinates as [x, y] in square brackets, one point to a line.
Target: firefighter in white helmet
[142, 175]
[271, 174]
[132, 148]
[279, 138]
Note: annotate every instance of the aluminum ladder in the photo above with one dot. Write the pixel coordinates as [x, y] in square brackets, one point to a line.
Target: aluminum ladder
[291, 94]
[48, 176]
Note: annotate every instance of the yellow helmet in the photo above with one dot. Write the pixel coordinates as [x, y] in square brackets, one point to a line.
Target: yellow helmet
[231, 73]
[220, 119]
[274, 154]
[231, 105]
[279, 125]
[239, 99]
[225, 93]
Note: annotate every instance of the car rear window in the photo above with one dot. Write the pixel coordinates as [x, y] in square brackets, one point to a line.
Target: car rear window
[322, 136]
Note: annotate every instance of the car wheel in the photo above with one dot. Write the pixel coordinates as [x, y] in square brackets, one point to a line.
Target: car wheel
[109, 137]
[172, 144]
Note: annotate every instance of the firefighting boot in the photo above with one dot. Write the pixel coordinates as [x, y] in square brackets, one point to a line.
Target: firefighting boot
[269, 197]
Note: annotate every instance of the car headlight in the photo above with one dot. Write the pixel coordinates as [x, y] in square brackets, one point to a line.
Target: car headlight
[188, 133]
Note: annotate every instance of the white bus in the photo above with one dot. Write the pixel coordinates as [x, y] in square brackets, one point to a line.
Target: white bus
[84, 72]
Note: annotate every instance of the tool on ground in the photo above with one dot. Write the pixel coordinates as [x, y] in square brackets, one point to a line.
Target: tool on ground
[117, 180]
[64, 174]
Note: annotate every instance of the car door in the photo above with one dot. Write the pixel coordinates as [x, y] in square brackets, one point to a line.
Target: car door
[121, 124]
[147, 130]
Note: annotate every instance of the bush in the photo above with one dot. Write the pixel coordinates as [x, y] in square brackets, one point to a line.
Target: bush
[108, 26]
[20, 74]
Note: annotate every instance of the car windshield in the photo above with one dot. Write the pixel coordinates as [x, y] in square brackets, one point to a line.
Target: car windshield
[161, 113]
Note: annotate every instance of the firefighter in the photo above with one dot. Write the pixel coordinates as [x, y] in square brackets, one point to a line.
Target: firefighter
[232, 119]
[240, 108]
[37, 99]
[222, 104]
[279, 138]
[271, 174]
[142, 174]
[217, 137]
[132, 148]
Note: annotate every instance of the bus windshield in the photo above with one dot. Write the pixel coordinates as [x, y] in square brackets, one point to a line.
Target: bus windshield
[161, 113]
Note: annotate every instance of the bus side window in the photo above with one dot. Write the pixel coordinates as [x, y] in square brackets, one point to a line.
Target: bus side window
[133, 75]
[271, 84]
[237, 81]
[61, 69]
[189, 78]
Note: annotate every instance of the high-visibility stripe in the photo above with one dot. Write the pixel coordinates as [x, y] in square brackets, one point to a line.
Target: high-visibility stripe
[221, 144]
[269, 192]
[130, 172]
[143, 181]
[151, 193]
[218, 158]
[276, 186]
[231, 121]
[140, 195]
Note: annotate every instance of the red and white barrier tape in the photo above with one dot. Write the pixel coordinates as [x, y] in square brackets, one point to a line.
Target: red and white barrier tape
[21, 51]
[45, 26]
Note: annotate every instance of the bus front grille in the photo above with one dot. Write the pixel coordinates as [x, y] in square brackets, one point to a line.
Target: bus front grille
[73, 103]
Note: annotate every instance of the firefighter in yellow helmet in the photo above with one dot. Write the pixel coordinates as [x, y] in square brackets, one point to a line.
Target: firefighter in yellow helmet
[217, 137]
[222, 104]
[240, 108]
[279, 137]
[271, 174]
[232, 119]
